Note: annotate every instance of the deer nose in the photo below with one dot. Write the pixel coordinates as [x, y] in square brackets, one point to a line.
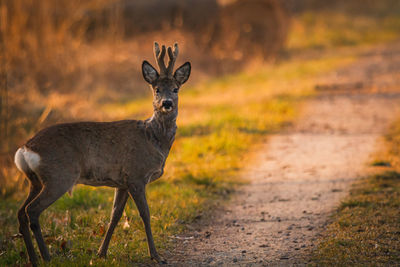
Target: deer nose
[167, 104]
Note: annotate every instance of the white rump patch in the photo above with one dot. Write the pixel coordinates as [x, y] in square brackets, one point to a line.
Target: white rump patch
[32, 159]
[26, 159]
[19, 160]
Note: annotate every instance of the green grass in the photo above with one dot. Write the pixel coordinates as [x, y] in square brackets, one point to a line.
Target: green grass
[331, 29]
[366, 228]
[219, 123]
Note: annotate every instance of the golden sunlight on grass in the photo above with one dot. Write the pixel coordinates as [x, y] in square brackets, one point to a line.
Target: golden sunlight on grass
[331, 29]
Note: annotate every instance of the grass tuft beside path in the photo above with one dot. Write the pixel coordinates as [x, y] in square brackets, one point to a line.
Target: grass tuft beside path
[366, 228]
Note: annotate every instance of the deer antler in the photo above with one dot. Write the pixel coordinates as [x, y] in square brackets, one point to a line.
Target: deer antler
[160, 58]
[172, 54]
[172, 58]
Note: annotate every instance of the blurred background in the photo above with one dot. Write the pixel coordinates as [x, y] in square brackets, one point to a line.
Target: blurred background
[65, 60]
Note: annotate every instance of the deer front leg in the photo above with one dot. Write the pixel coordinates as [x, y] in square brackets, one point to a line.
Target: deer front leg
[120, 198]
[139, 196]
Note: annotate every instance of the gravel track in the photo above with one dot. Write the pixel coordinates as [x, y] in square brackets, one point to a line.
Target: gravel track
[300, 176]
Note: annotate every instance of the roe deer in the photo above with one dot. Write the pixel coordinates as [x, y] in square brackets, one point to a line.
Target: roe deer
[125, 155]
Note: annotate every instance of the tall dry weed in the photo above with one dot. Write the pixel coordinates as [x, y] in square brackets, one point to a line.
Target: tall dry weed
[39, 46]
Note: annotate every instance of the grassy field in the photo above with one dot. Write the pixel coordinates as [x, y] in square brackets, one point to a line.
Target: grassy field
[329, 29]
[220, 121]
[366, 228]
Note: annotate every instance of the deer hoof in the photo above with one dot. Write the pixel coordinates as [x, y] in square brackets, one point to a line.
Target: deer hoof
[46, 257]
[102, 254]
[158, 259]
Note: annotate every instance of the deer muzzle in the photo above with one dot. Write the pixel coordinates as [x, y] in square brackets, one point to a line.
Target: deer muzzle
[167, 105]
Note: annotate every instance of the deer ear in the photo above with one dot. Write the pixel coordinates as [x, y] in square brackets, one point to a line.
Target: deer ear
[150, 74]
[182, 73]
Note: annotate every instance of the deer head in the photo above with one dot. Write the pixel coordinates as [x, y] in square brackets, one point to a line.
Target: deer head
[165, 85]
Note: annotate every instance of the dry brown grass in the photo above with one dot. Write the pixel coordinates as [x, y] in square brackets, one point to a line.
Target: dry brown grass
[40, 48]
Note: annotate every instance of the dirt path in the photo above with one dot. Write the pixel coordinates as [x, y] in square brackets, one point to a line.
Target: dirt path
[301, 175]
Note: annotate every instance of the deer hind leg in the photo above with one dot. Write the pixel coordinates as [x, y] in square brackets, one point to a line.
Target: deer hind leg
[53, 188]
[139, 196]
[120, 198]
[36, 187]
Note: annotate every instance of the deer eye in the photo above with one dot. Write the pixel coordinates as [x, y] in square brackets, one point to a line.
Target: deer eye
[157, 91]
[176, 90]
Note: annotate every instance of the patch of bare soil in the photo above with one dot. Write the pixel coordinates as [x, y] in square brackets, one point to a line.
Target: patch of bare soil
[301, 175]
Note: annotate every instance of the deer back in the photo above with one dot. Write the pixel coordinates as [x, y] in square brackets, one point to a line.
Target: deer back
[104, 153]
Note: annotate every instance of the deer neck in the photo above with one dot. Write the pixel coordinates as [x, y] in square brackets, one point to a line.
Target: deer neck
[162, 129]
